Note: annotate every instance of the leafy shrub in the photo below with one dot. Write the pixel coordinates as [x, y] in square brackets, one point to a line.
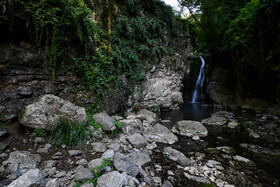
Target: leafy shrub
[69, 134]
[39, 133]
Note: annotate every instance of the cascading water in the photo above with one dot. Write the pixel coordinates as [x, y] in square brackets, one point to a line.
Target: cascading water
[197, 94]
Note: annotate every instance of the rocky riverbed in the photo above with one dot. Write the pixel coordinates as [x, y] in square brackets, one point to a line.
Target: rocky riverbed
[226, 149]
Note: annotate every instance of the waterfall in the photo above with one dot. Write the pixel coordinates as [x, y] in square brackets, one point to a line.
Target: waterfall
[199, 83]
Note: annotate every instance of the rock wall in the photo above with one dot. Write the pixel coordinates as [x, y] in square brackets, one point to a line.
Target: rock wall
[163, 85]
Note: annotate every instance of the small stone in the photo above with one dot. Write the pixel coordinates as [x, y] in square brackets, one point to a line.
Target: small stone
[177, 156]
[39, 140]
[232, 124]
[167, 184]
[195, 138]
[157, 180]
[33, 177]
[109, 154]
[82, 162]
[75, 152]
[169, 172]
[25, 141]
[114, 146]
[50, 163]
[254, 135]
[60, 174]
[98, 147]
[95, 163]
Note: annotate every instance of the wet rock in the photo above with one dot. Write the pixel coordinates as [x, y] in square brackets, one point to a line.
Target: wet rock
[3, 131]
[162, 134]
[123, 163]
[99, 147]
[177, 156]
[104, 119]
[224, 114]
[112, 179]
[82, 174]
[132, 126]
[197, 180]
[262, 152]
[108, 154]
[149, 116]
[75, 152]
[34, 177]
[22, 161]
[223, 149]
[243, 160]
[189, 128]
[137, 140]
[49, 110]
[254, 135]
[95, 163]
[52, 183]
[140, 158]
[214, 120]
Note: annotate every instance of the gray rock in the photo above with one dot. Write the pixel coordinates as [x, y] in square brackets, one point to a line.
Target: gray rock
[3, 131]
[167, 184]
[224, 149]
[214, 120]
[224, 114]
[190, 128]
[243, 160]
[82, 174]
[49, 110]
[99, 147]
[123, 163]
[39, 140]
[177, 156]
[117, 118]
[22, 161]
[132, 126]
[197, 180]
[232, 124]
[52, 183]
[95, 163]
[108, 154]
[149, 116]
[82, 162]
[162, 134]
[254, 135]
[130, 181]
[34, 177]
[140, 158]
[50, 163]
[104, 119]
[60, 174]
[75, 152]
[156, 180]
[112, 179]
[137, 140]
[270, 126]
[114, 146]
[3, 146]
[45, 149]
[262, 152]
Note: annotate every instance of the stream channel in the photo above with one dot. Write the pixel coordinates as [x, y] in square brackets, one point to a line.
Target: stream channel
[265, 172]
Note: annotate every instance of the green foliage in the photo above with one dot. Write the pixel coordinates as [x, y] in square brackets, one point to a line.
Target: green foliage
[249, 126]
[58, 23]
[69, 134]
[115, 133]
[96, 173]
[92, 123]
[39, 133]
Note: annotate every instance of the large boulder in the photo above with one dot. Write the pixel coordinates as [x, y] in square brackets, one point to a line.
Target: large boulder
[32, 178]
[189, 128]
[49, 110]
[161, 134]
[104, 119]
[177, 156]
[21, 161]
